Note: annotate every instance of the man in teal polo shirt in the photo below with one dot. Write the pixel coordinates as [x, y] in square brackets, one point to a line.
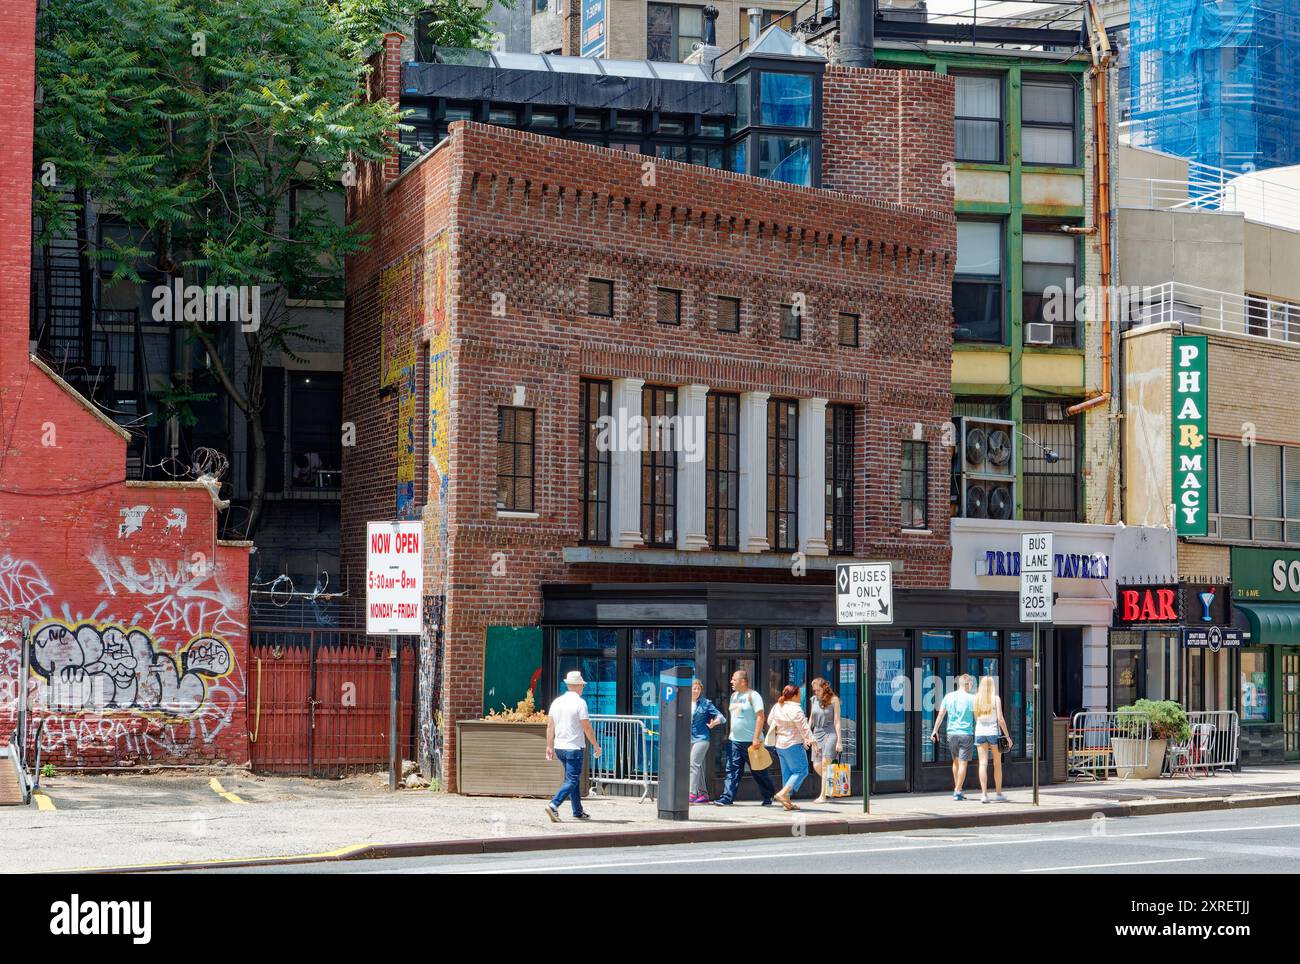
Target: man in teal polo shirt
[958, 708]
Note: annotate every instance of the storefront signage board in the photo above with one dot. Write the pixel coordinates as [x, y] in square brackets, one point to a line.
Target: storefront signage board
[1191, 443]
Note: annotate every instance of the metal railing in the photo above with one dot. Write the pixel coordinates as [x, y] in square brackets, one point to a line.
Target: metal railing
[1090, 744]
[627, 756]
[1211, 746]
[1210, 188]
[1258, 317]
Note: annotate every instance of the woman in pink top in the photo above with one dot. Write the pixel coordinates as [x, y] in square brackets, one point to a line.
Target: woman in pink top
[789, 735]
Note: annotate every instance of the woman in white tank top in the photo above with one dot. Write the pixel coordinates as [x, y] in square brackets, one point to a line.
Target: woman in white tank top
[990, 730]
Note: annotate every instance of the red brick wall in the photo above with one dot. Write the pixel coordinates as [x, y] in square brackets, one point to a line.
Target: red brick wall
[138, 618]
[529, 219]
[888, 134]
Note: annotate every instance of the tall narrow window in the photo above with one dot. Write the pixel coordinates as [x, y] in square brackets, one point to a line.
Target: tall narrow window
[659, 466]
[791, 322]
[849, 325]
[594, 404]
[1047, 112]
[979, 118]
[722, 471]
[515, 459]
[1051, 272]
[600, 297]
[839, 478]
[1051, 470]
[783, 474]
[915, 482]
[977, 282]
[728, 313]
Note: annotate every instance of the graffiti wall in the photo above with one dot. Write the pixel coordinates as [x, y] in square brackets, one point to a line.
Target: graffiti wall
[134, 648]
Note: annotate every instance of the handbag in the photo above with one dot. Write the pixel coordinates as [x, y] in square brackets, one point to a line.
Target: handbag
[840, 784]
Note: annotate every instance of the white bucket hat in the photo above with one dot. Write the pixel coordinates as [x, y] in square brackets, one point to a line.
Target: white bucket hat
[574, 678]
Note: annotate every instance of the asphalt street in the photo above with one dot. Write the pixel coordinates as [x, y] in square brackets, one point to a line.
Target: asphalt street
[1264, 840]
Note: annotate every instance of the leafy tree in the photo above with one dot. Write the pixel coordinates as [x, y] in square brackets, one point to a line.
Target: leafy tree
[194, 123]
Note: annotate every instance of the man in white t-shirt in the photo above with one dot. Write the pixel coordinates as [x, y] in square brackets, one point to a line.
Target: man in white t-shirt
[568, 728]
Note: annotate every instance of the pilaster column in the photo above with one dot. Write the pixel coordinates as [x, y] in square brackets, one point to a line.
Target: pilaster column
[753, 472]
[691, 461]
[625, 466]
[812, 477]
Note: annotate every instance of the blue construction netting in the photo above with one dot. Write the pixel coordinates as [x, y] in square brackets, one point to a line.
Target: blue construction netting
[1217, 83]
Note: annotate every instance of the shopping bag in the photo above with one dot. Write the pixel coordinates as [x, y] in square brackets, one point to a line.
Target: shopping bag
[839, 780]
[759, 758]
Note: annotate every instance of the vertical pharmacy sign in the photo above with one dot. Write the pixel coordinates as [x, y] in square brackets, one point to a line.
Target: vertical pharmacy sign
[1191, 442]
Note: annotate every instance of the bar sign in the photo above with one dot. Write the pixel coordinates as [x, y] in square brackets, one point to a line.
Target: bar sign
[1036, 559]
[1191, 443]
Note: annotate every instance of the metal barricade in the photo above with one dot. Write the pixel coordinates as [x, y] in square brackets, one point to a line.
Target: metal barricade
[627, 756]
[1091, 750]
[1211, 746]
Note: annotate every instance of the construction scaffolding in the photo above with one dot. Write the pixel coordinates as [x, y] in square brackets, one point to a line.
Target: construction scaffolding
[1217, 82]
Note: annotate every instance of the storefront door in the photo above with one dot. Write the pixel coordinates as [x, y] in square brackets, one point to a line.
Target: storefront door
[890, 731]
[1290, 702]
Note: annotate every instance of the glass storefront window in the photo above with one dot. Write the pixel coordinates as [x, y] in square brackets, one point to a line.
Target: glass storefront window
[570, 639]
[1018, 712]
[1125, 667]
[981, 641]
[1254, 686]
[932, 640]
[786, 159]
[936, 674]
[842, 674]
[601, 674]
[889, 756]
[787, 640]
[1018, 640]
[839, 639]
[787, 672]
[736, 639]
[664, 638]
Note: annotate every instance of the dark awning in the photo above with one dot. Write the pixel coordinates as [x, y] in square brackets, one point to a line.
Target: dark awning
[1269, 623]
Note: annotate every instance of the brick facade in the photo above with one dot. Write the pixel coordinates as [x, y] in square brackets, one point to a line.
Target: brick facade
[137, 613]
[481, 257]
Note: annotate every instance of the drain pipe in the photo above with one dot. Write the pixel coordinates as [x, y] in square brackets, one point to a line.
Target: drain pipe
[857, 33]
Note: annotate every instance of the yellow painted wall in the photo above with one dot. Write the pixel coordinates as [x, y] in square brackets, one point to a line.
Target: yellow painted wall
[1053, 369]
[981, 367]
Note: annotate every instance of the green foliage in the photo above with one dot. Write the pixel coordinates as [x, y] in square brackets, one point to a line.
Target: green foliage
[47, 769]
[1168, 719]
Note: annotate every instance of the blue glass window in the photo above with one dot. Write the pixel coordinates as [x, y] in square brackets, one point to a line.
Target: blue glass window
[664, 638]
[571, 639]
[937, 641]
[601, 691]
[839, 639]
[1022, 640]
[785, 100]
[785, 159]
[981, 641]
[739, 155]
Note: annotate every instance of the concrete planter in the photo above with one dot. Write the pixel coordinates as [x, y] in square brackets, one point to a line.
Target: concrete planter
[1139, 759]
[504, 760]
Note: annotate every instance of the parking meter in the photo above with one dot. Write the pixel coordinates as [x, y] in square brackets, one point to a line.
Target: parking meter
[675, 742]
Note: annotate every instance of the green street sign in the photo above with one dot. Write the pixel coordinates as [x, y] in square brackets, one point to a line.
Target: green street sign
[1191, 442]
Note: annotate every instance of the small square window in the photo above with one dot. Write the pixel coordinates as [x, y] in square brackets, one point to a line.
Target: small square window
[600, 297]
[791, 322]
[848, 330]
[728, 313]
[669, 307]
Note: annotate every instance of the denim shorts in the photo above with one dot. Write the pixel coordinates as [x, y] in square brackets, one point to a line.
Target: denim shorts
[959, 745]
[988, 740]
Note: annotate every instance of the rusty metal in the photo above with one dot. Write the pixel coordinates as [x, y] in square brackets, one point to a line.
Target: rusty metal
[322, 703]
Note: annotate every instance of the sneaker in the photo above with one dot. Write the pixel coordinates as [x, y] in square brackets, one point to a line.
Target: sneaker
[984, 798]
[698, 798]
[722, 803]
[958, 795]
[582, 816]
[766, 803]
[553, 813]
[1000, 798]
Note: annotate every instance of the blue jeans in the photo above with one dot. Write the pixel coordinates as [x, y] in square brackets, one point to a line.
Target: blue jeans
[572, 786]
[794, 767]
[737, 760]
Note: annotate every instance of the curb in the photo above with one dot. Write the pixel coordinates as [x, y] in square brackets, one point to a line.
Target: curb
[687, 835]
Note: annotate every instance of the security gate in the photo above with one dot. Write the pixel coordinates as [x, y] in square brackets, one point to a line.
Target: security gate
[318, 701]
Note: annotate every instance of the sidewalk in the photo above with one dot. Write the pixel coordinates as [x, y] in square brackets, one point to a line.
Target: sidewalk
[168, 819]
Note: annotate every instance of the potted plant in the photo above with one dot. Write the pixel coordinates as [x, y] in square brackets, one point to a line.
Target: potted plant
[504, 753]
[1137, 755]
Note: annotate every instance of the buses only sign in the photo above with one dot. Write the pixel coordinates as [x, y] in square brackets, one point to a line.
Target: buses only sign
[864, 593]
[394, 578]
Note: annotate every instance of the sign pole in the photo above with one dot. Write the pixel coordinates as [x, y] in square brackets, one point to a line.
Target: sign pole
[865, 632]
[1033, 715]
[394, 681]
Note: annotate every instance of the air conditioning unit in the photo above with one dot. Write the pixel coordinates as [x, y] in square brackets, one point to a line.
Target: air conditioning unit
[984, 468]
[1038, 333]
